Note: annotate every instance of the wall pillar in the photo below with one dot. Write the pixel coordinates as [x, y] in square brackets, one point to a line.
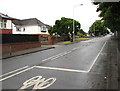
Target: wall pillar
[50, 41]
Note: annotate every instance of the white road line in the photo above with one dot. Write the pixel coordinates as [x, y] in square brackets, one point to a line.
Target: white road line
[13, 71]
[59, 56]
[61, 69]
[75, 48]
[96, 57]
[38, 82]
[53, 56]
[17, 73]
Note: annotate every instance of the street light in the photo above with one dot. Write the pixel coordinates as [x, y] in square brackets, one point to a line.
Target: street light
[94, 30]
[73, 19]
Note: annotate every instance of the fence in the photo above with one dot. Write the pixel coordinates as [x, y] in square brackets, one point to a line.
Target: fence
[11, 43]
[17, 38]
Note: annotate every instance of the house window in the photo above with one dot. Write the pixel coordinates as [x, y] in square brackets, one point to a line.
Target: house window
[5, 23]
[18, 29]
[43, 29]
[1, 23]
[23, 29]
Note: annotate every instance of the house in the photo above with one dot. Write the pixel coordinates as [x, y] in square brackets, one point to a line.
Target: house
[29, 26]
[32, 26]
[5, 24]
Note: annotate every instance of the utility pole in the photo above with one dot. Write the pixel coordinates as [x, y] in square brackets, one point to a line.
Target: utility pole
[74, 22]
[94, 30]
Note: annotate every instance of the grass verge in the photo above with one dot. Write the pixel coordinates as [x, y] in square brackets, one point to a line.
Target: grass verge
[78, 39]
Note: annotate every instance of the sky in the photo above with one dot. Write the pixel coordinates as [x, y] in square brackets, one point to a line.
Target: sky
[48, 11]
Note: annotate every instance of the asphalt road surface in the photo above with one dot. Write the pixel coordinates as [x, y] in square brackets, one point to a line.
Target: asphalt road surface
[82, 65]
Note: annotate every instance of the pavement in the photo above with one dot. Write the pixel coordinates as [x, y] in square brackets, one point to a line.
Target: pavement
[27, 51]
[113, 67]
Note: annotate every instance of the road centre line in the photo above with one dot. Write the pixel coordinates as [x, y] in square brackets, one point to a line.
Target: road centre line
[16, 73]
[61, 69]
[60, 54]
[75, 48]
[52, 57]
[13, 71]
[66, 53]
[97, 56]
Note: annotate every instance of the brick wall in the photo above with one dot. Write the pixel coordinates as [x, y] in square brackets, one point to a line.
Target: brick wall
[45, 39]
[5, 31]
[13, 47]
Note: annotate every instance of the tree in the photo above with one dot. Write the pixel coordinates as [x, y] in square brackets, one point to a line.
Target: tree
[110, 13]
[81, 32]
[64, 28]
[98, 28]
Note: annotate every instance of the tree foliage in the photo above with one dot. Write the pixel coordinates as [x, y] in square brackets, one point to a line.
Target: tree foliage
[81, 32]
[98, 28]
[110, 13]
[64, 28]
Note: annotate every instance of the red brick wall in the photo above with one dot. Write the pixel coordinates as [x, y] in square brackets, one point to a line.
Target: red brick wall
[13, 47]
[5, 31]
[48, 42]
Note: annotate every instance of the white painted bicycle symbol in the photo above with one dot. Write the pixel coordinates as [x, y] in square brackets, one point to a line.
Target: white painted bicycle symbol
[38, 83]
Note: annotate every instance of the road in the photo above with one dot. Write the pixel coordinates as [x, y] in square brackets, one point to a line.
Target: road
[82, 65]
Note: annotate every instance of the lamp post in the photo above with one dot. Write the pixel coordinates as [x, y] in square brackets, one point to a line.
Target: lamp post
[94, 30]
[73, 20]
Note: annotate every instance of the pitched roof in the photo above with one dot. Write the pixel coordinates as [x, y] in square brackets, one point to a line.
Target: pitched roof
[48, 26]
[28, 22]
[5, 16]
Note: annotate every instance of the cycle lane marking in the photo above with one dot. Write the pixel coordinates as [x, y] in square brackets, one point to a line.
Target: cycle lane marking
[38, 82]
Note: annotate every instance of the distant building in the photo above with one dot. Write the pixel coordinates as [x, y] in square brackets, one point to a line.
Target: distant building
[5, 24]
[29, 26]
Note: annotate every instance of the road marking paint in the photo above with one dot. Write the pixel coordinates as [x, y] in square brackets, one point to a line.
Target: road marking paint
[60, 54]
[13, 71]
[61, 69]
[38, 82]
[16, 73]
[65, 53]
[53, 57]
[75, 48]
[97, 57]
